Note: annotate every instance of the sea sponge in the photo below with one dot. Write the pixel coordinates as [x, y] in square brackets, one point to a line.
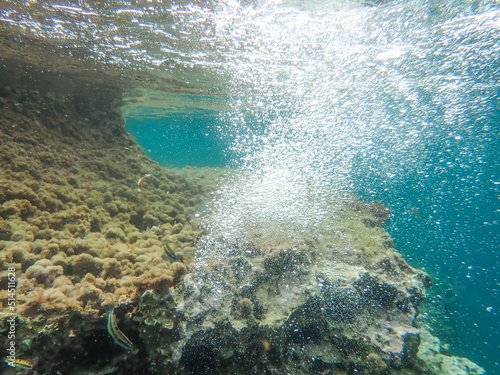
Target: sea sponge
[111, 208]
[102, 284]
[126, 255]
[40, 301]
[96, 281]
[21, 253]
[125, 286]
[133, 237]
[176, 228]
[144, 245]
[50, 250]
[187, 234]
[24, 286]
[93, 244]
[172, 213]
[149, 220]
[64, 284]
[19, 207]
[159, 284]
[56, 298]
[45, 233]
[88, 295]
[6, 258]
[58, 220]
[11, 190]
[44, 262]
[65, 245]
[127, 266]
[21, 231]
[60, 259]
[4, 279]
[143, 258]
[89, 278]
[54, 272]
[121, 207]
[114, 234]
[77, 238]
[35, 300]
[77, 230]
[5, 230]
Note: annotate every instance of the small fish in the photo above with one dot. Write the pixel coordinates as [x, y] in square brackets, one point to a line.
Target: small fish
[130, 197]
[169, 252]
[115, 332]
[19, 363]
[416, 212]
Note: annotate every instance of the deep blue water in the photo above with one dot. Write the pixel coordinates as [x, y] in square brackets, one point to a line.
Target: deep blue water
[445, 216]
[446, 221]
[455, 234]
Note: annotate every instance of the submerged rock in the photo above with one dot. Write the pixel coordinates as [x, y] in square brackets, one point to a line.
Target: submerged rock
[82, 238]
[299, 306]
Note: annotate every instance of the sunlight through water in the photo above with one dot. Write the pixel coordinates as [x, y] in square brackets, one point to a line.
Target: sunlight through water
[393, 100]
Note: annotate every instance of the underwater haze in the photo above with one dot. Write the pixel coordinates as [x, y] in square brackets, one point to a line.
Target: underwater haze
[309, 101]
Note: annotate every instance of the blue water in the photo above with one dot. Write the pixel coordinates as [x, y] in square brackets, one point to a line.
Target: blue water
[454, 235]
[428, 126]
[445, 215]
[181, 140]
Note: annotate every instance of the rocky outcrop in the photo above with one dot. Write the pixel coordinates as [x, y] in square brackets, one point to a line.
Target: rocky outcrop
[302, 305]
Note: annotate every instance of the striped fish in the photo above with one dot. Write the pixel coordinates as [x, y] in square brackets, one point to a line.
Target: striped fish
[115, 332]
[169, 252]
[19, 363]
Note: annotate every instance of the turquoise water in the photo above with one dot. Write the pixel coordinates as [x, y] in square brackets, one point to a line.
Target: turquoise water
[446, 220]
[180, 140]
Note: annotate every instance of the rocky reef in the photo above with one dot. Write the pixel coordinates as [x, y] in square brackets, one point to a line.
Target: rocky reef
[85, 215]
[85, 219]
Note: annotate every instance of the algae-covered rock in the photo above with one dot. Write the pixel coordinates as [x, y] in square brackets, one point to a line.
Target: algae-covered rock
[310, 305]
[74, 226]
[88, 223]
[431, 350]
